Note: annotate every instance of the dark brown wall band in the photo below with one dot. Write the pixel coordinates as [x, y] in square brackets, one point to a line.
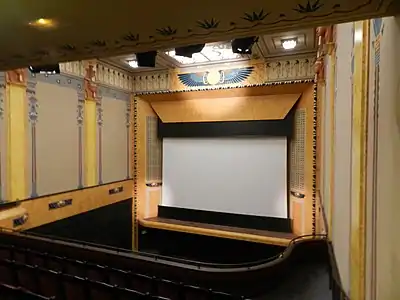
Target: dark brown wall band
[228, 128]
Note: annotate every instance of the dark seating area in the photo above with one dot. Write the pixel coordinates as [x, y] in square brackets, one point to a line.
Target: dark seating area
[27, 274]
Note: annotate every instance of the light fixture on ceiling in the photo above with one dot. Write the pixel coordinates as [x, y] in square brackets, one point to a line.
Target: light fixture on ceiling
[43, 23]
[45, 69]
[133, 63]
[243, 45]
[212, 52]
[146, 59]
[188, 51]
[289, 44]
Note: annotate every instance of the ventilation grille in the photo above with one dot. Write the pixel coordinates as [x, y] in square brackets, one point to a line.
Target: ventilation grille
[298, 152]
[153, 151]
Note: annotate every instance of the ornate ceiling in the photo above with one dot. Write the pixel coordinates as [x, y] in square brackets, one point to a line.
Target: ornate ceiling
[89, 29]
[268, 47]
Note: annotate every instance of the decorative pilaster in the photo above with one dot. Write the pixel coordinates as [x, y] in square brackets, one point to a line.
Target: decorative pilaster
[33, 118]
[99, 110]
[128, 123]
[17, 123]
[2, 127]
[80, 121]
[90, 124]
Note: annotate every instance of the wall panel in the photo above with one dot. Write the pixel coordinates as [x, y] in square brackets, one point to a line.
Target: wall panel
[343, 146]
[55, 149]
[115, 139]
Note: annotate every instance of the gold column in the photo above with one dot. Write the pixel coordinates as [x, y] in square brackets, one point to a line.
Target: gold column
[359, 140]
[17, 123]
[90, 125]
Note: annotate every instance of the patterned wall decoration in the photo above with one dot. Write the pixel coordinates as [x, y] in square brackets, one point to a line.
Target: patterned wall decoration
[301, 68]
[153, 151]
[215, 77]
[80, 115]
[105, 75]
[151, 82]
[248, 73]
[297, 152]
[128, 124]
[220, 75]
[2, 135]
[99, 121]
[33, 119]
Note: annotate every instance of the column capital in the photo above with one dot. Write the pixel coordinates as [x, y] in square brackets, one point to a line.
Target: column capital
[90, 80]
[16, 77]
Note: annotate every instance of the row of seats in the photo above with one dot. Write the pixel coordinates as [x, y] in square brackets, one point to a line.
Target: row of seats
[67, 278]
[9, 292]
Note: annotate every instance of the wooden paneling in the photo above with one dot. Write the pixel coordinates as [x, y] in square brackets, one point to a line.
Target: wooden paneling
[82, 201]
[268, 107]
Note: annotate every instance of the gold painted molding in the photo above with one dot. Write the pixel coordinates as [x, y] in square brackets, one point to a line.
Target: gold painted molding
[17, 123]
[359, 134]
[217, 233]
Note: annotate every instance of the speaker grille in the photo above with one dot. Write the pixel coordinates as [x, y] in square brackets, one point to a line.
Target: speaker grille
[297, 150]
[153, 151]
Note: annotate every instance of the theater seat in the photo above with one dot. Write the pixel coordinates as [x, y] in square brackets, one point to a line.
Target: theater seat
[97, 272]
[74, 267]
[36, 258]
[119, 277]
[196, 293]
[102, 291]
[8, 273]
[5, 251]
[75, 288]
[50, 283]
[143, 283]
[27, 276]
[170, 289]
[128, 294]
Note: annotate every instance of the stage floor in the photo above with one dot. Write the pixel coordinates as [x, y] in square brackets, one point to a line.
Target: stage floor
[243, 234]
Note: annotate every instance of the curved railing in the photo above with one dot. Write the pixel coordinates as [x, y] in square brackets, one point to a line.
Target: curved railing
[197, 264]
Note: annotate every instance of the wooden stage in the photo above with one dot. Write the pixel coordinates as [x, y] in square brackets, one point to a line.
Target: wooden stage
[236, 233]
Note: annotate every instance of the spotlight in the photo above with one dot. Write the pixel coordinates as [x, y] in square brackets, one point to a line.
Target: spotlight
[289, 44]
[133, 63]
[45, 69]
[188, 51]
[146, 59]
[243, 45]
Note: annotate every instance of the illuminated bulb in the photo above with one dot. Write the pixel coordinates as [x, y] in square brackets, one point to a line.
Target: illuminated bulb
[289, 44]
[43, 23]
[133, 64]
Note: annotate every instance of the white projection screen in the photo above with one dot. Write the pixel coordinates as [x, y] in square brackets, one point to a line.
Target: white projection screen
[231, 175]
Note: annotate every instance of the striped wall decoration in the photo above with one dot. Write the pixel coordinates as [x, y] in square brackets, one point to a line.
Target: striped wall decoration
[33, 119]
[2, 127]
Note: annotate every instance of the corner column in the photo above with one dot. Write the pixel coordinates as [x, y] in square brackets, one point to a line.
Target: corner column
[17, 123]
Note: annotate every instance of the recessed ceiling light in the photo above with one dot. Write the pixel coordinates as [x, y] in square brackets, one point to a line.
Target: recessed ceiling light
[289, 44]
[133, 63]
[43, 23]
